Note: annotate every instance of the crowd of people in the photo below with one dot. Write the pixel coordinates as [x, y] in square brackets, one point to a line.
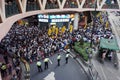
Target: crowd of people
[33, 43]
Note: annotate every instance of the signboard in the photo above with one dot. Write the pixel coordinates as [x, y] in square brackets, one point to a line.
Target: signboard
[55, 18]
[43, 20]
[59, 20]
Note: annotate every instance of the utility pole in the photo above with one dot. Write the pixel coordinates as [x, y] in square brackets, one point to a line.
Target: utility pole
[94, 18]
[93, 77]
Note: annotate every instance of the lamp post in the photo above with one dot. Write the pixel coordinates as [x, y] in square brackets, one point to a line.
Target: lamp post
[93, 77]
[92, 32]
[94, 18]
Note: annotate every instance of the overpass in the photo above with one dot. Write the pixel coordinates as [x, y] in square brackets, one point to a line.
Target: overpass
[10, 12]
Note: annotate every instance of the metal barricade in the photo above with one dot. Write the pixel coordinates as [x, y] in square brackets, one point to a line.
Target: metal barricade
[93, 74]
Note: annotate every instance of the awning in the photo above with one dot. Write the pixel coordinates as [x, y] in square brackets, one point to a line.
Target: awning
[109, 44]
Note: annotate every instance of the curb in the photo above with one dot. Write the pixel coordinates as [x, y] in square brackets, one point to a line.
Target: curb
[79, 61]
[86, 68]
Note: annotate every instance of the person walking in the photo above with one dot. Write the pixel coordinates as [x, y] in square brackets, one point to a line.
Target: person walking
[58, 59]
[39, 66]
[66, 57]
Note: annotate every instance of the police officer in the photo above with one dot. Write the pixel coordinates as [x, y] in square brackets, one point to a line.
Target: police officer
[3, 69]
[66, 57]
[58, 59]
[39, 66]
[46, 63]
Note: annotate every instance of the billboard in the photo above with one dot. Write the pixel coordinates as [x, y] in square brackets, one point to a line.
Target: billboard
[55, 18]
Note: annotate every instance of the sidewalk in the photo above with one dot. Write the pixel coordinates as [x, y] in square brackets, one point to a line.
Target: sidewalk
[115, 20]
[108, 71]
[105, 71]
[118, 54]
[90, 72]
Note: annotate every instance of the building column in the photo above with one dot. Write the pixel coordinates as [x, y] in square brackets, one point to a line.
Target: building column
[2, 8]
[76, 20]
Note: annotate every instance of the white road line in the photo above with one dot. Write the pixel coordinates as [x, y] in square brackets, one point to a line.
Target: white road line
[50, 61]
[103, 73]
[118, 77]
[69, 54]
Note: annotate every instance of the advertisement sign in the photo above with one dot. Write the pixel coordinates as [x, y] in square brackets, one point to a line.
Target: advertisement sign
[55, 18]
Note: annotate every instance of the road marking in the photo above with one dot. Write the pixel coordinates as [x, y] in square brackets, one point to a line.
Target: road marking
[50, 76]
[103, 73]
[69, 54]
[50, 61]
[118, 77]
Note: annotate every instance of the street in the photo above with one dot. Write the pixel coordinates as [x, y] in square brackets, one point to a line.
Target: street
[70, 71]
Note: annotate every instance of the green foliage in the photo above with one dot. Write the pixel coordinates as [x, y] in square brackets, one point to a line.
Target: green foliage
[81, 50]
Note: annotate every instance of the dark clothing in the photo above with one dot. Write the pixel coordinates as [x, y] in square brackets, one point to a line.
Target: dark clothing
[66, 60]
[58, 62]
[39, 69]
[6, 59]
[3, 70]
[10, 69]
[46, 65]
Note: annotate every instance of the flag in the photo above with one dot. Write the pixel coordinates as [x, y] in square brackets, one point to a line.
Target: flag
[49, 31]
[85, 26]
[56, 30]
[53, 29]
[107, 24]
[63, 29]
[71, 28]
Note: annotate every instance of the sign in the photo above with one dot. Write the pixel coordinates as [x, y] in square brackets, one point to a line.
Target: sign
[43, 20]
[54, 20]
[54, 16]
[59, 20]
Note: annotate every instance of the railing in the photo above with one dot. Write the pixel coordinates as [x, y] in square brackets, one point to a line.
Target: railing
[72, 4]
[11, 8]
[111, 6]
[61, 1]
[89, 4]
[32, 6]
[94, 75]
[50, 5]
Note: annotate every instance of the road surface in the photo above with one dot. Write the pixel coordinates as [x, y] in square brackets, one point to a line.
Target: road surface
[70, 71]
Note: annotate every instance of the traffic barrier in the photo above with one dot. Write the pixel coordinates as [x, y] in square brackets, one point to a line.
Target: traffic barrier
[89, 70]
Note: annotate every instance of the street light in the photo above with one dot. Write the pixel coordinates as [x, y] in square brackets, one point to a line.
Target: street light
[94, 18]
[93, 77]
